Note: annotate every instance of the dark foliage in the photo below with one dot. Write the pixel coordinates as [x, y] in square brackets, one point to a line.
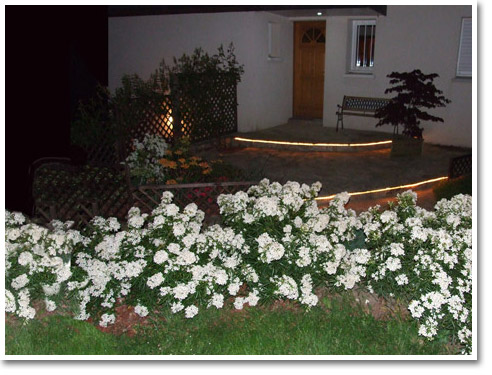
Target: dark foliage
[414, 91]
[200, 89]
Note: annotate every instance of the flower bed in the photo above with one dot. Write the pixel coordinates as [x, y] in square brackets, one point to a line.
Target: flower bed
[274, 243]
[65, 192]
[153, 161]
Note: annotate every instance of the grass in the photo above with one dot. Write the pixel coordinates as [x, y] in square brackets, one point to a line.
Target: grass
[332, 328]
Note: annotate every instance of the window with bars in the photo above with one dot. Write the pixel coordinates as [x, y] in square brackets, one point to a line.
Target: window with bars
[464, 67]
[363, 42]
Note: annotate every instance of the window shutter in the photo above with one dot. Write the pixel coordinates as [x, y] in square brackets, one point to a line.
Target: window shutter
[465, 53]
[273, 40]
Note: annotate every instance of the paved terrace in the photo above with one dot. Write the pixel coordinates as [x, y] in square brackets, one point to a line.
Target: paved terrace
[338, 171]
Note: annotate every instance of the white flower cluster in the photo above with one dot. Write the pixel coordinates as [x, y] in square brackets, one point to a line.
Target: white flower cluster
[143, 162]
[274, 243]
[266, 200]
[294, 238]
[426, 255]
[34, 252]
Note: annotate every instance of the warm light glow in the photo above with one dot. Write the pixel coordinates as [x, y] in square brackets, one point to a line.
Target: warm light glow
[388, 188]
[240, 139]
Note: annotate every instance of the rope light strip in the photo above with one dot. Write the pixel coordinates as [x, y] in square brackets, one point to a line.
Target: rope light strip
[240, 139]
[388, 188]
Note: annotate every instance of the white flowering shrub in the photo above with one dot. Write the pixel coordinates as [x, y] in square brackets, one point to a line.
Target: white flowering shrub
[292, 245]
[140, 264]
[425, 258]
[37, 263]
[143, 161]
[274, 243]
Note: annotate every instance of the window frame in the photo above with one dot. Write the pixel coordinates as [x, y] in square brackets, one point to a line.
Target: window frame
[354, 44]
[461, 73]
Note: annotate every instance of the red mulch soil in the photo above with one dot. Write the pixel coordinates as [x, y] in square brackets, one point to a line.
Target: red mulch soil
[127, 322]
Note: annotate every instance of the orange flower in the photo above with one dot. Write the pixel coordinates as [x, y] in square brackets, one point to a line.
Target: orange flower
[185, 166]
[204, 165]
[178, 152]
[207, 171]
[171, 182]
[182, 160]
[168, 163]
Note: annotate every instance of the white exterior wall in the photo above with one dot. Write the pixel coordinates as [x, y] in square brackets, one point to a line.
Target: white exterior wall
[407, 38]
[138, 44]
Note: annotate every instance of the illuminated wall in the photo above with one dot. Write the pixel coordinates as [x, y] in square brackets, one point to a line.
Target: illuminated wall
[138, 44]
[408, 38]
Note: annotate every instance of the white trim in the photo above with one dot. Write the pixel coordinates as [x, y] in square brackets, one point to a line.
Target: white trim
[465, 52]
[355, 23]
[359, 75]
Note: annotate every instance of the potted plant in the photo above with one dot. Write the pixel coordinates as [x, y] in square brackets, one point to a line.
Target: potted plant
[415, 92]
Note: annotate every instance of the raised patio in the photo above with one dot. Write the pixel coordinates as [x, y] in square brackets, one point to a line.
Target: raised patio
[338, 170]
[304, 135]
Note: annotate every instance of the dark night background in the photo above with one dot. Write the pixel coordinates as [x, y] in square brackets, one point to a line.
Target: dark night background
[54, 57]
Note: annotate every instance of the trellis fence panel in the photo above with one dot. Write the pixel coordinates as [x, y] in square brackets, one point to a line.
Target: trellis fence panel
[78, 193]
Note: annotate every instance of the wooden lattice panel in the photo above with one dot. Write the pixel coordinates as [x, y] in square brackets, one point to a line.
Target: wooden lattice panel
[204, 109]
[209, 110]
[156, 119]
[460, 166]
[104, 151]
[66, 192]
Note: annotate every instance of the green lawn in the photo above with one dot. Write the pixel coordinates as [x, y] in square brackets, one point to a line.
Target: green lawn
[332, 328]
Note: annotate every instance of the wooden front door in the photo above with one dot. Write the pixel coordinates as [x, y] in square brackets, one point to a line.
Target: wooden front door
[309, 69]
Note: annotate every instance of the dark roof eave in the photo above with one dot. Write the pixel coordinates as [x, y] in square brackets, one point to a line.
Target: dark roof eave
[147, 10]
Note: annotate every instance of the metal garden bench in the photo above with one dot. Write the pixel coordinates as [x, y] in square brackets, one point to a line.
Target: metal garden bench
[359, 106]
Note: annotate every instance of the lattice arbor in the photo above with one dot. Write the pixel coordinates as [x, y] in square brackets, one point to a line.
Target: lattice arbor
[153, 117]
[204, 195]
[200, 106]
[66, 192]
[205, 105]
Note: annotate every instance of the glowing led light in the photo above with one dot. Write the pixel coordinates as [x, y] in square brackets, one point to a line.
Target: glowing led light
[388, 188]
[307, 144]
[319, 13]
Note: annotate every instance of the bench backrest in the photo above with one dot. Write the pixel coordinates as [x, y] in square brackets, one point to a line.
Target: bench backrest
[363, 104]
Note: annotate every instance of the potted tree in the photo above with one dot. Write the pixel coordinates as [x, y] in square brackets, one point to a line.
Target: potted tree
[415, 92]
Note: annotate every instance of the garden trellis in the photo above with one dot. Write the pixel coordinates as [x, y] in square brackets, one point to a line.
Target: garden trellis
[205, 112]
[199, 107]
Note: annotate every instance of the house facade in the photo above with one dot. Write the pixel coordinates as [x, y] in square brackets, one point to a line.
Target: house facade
[301, 63]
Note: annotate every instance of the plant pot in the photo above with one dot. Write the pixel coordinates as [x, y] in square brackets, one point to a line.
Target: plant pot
[406, 146]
